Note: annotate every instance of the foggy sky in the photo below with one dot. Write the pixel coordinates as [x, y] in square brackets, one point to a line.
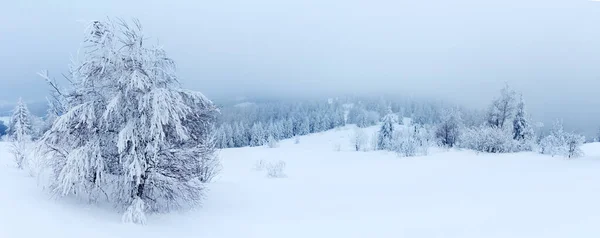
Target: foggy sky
[459, 50]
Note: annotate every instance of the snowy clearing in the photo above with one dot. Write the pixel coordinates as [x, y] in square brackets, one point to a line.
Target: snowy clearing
[331, 193]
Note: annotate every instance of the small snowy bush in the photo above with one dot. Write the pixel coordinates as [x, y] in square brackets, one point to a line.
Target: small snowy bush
[488, 139]
[574, 143]
[296, 140]
[359, 139]
[412, 141]
[276, 169]
[561, 143]
[272, 142]
[405, 144]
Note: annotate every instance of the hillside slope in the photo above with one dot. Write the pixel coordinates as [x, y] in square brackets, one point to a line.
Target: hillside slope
[330, 193]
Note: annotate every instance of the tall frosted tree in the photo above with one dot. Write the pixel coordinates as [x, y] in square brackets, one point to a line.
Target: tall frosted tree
[20, 126]
[20, 132]
[386, 132]
[522, 130]
[130, 133]
[448, 130]
[502, 109]
[257, 135]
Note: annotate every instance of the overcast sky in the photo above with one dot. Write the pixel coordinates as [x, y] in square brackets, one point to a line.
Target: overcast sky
[460, 50]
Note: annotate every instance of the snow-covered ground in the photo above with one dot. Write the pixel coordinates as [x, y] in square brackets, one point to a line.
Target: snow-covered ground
[331, 193]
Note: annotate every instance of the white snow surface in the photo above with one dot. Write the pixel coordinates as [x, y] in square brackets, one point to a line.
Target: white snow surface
[330, 193]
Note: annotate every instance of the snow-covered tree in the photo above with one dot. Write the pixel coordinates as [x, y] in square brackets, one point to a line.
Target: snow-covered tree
[573, 144]
[20, 126]
[272, 142]
[448, 130]
[386, 132]
[239, 138]
[257, 135]
[130, 133]
[553, 144]
[359, 139]
[20, 132]
[502, 108]
[561, 143]
[521, 127]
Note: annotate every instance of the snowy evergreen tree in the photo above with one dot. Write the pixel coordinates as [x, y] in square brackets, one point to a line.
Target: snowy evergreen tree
[130, 134]
[521, 127]
[239, 135]
[228, 131]
[257, 135]
[20, 127]
[303, 126]
[386, 132]
[20, 132]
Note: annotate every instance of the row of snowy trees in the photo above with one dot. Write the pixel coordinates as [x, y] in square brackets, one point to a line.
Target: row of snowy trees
[124, 132]
[255, 124]
[504, 128]
[507, 128]
[258, 124]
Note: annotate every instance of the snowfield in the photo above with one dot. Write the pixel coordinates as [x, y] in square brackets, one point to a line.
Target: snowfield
[331, 193]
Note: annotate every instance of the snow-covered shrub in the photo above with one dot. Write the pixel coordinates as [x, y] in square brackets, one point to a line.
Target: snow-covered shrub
[405, 143]
[276, 169]
[551, 145]
[448, 131]
[359, 139]
[130, 133]
[297, 140]
[425, 137]
[488, 139]
[574, 143]
[272, 142]
[561, 143]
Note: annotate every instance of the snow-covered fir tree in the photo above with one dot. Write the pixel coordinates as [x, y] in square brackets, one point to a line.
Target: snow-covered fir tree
[257, 135]
[386, 132]
[20, 127]
[522, 129]
[20, 132]
[130, 135]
